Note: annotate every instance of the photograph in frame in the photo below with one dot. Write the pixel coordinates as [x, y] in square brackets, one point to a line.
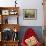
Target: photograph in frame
[30, 14]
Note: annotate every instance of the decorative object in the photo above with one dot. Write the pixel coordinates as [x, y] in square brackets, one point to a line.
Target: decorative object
[5, 12]
[30, 14]
[31, 41]
[7, 34]
[6, 21]
[13, 12]
[15, 30]
[15, 3]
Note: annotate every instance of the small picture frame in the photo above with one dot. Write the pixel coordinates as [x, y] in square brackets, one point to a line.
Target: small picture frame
[5, 12]
[30, 14]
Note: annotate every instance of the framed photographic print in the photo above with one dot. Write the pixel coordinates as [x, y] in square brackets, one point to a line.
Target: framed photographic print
[30, 14]
[5, 12]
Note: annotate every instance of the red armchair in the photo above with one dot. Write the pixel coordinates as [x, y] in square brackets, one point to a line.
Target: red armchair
[29, 36]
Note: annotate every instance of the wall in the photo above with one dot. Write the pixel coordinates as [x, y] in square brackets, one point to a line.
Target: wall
[27, 4]
[32, 4]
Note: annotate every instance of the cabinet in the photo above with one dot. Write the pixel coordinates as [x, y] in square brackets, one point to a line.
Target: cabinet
[9, 26]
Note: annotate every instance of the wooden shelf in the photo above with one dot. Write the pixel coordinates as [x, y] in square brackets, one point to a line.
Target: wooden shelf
[9, 43]
[4, 13]
[3, 8]
[11, 26]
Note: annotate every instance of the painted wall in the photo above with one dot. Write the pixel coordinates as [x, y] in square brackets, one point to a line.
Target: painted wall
[26, 4]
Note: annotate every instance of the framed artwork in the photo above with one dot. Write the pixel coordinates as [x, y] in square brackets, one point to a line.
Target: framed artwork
[5, 12]
[30, 14]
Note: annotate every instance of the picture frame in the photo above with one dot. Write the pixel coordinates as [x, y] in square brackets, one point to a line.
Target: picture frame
[5, 12]
[29, 14]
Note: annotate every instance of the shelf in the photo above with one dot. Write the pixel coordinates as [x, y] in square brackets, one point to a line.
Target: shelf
[10, 26]
[9, 19]
[9, 10]
[6, 12]
[7, 16]
[11, 41]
